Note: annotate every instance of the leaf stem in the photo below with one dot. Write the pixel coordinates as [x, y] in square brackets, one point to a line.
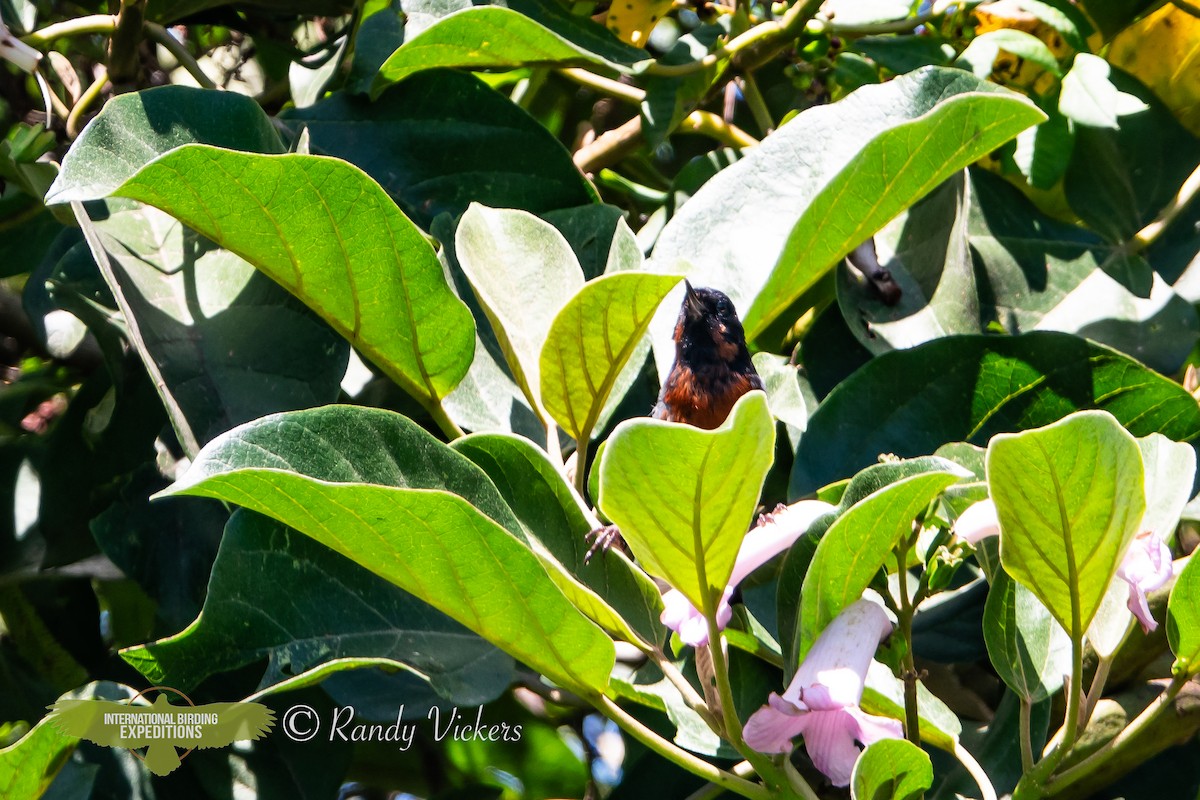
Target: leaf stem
[162, 36]
[581, 452]
[621, 91]
[1113, 746]
[1186, 7]
[1026, 733]
[85, 101]
[1147, 235]
[80, 26]
[896, 26]
[757, 104]
[976, 771]
[904, 616]
[710, 124]
[680, 757]
[448, 426]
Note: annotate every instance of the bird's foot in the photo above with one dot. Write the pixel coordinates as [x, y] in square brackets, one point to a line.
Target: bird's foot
[604, 539]
[769, 516]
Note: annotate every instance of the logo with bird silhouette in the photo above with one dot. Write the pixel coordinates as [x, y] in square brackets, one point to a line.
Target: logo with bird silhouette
[160, 727]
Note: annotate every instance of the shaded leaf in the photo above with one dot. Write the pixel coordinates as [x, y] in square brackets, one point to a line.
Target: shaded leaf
[969, 388]
[891, 769]
[1029, 650]
[276, 594]
[330, 235]
[380, 490]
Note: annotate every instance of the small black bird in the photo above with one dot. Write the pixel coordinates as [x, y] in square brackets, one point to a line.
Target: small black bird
[712, 366]
[712, 370]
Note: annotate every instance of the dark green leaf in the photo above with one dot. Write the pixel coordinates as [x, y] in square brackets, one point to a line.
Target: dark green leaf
[443, 140]
[1030, 651]
[276, 594]
[968, 388]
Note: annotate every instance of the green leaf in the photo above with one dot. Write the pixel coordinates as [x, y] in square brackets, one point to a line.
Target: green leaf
[523, 272]
[1170, 468]
[788, 393]
[330, 235]
[1029, 650]
[496, 37]
[378, 489]
[443, 140]
[135, 128]
[883, 694]
[229, 344]
[983, 50]
[1119, 180]
[590, 342]
[684, 497]
[1089, 98]
[1043, 152]
[969, 388]
[279, 595]
[550, 511]
[857, 546]
[891, 769]
[28, 766]
[1036, 272]
[769, 227]
[927, 252]
[1183, 619]
[1070, 497]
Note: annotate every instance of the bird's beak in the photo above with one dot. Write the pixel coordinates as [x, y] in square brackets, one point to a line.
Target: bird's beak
[691, 302]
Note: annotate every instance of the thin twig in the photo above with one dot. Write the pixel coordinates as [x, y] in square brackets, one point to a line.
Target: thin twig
[976, 771]
[162, 36]
[1187, 192]
[757, 104]
[85, 100]
[710, 124]
[621, 91]
[897, 26]
[1186, 7]
[80, 26]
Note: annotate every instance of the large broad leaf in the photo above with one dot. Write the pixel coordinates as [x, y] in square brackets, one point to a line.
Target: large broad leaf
[1039, 273]
[443, 140]
[767, 228]
[551, 511]
[1070, 498]
[590, 342]
[521, 34]
[969, 388]
[280, 595]
[684, 497]
[1030, 651]
[993, 258]
[927, 252]
[891, 769]
[1121, 178]
[228, 343]
[134, 129]
[380, 490]
[523, 272]
[1183, 618]
[332, 237]
[857, 546]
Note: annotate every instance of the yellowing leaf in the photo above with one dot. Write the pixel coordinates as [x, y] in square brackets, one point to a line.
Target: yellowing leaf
[632, 20]
[1163, 52]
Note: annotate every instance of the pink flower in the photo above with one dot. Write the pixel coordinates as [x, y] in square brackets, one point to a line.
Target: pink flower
[1147, 566]
[775, 533]
[822, 701]
[16, 51]
[978, 522]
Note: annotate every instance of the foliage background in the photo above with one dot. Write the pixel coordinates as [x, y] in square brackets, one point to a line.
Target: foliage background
[1058, 272]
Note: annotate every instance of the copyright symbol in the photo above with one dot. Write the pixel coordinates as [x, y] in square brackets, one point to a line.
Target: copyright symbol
[301, 723]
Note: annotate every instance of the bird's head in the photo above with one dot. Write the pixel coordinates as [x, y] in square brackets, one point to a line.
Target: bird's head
[709, 330]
